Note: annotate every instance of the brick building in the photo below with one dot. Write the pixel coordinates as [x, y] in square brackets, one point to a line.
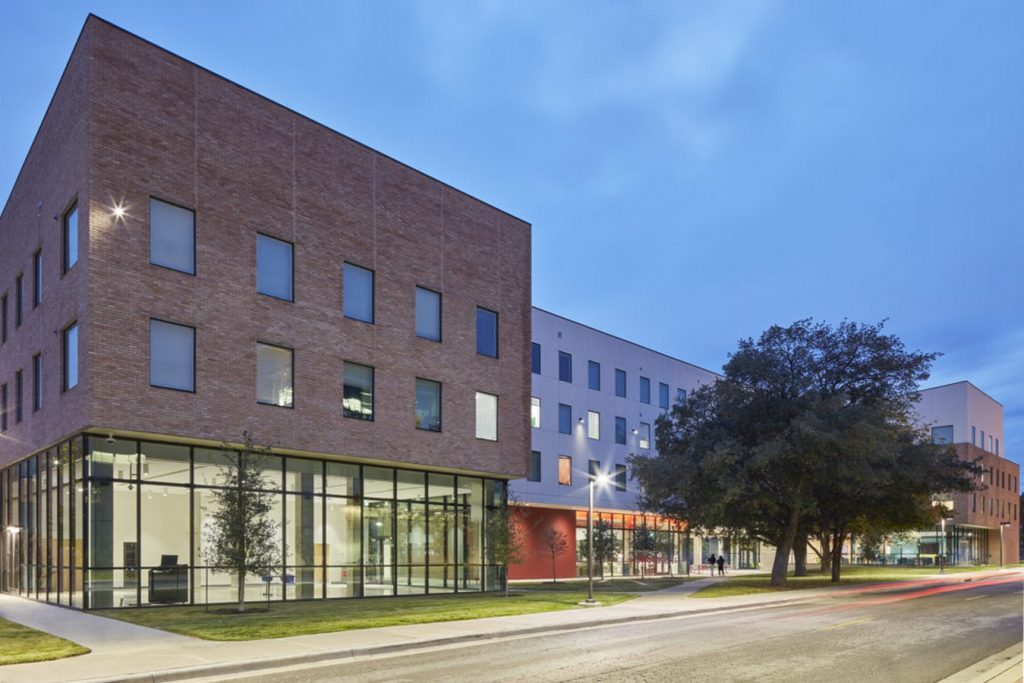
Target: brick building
[185, 260]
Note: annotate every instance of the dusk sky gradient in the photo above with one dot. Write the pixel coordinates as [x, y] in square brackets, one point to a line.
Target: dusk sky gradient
[694, 172]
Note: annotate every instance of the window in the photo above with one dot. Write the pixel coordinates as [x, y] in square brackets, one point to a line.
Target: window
[486, 332]
[645, 390]
[620, 477]
[17, 397]
[534, 466]
[620, 383]
[593, 469]
[990, 449]
[535, 357]
[37, 382]
[19, 291]
[69, 346]
[486, 416]
[3, 407]
[565, 366]
[428, 405]
[974, 435]
[357, 292]
[593, 424]
[681, 395]
[274, 370]
[564, 470]
[428, 314]
[172, 238]
[37, 278]
[594, 375]
[70, 238]
[357, 397]
[564, 418]
[942, 434]
[535, 412]
[172, 356]
[620, 430]
[982, 444]
[997, 446]
[274, 261]
[645, 435]
[663, 395]
[3, 319]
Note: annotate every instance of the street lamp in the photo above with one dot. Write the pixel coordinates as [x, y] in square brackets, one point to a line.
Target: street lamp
[602, 479]
[1002, 525]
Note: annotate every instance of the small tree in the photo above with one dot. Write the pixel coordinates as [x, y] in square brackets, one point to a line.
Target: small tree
[507, 542]
[555, 542]
[243, 538]
[605, 543]
[644, 543]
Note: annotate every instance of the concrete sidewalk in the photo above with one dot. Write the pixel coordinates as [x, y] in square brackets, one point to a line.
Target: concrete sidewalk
[125, 652]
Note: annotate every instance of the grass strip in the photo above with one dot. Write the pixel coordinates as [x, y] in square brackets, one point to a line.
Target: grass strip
[21, 644]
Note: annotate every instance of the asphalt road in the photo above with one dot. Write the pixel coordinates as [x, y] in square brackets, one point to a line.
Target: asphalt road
[906, 634]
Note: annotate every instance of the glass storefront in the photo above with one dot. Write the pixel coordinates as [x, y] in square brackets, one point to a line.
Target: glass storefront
[958, 544]
[100, 522]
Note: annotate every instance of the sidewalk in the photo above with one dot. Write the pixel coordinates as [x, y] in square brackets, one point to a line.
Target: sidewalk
[126, 652]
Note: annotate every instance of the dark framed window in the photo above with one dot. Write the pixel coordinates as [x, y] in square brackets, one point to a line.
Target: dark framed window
[428, 314]
[593, 469]
[620, 477]
[69, 353]
[19, 298]
[37, 382]
[69, 238]
[275, 370]
[645, 435]
[645, 390]
[942, 434]
[681, 395]
[3, 407]
[275, 265]
[37, 278]
[172, 355]
[565, 366]
[564, 470]
[486, 332]
[17, 397]
[486, 416]
[428, 405]
[534, 466]
[172, 236]
[663, 395]
[620, 430]
[620, 383]
[594, 375]
[3, 319]
[357, 292]
[357, 398]
[564, 418]
[535, 357]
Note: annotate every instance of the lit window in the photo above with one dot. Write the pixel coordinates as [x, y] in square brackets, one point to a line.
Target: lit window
[620, 430]
[172, 356]
[486, 332]
[565, 366]
[620, 383]
[593, 424]
[645, 390]
[70, 230]
[535, 357]
[645, 435]
[428, 405]
[534, 466]
[564, 418]
[70, 352]
[274, 267]
[535, 412]
[357, 400]
[428, 314]
[663, 395]
[172, 236]
[564, 470]
[486, 416]
[274, 375]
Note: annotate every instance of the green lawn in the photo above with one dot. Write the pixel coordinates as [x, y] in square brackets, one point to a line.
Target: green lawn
[20, 644]
[617, 585]
[325, 616]
[746, 585]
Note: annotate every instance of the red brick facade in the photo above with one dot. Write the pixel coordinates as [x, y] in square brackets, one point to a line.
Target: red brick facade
[131, 121]
[996, 501]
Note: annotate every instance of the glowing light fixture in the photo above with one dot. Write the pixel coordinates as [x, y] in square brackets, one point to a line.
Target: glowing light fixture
[117, 211]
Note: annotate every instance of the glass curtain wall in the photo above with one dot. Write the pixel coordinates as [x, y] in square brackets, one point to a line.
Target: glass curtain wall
[143, 514]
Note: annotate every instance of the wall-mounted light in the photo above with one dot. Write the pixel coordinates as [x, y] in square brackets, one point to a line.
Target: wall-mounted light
[12, 530]
[634, 431]
[117, 211]
[581, 420]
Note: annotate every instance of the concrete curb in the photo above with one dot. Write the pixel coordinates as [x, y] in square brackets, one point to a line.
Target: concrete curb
[1003, 667]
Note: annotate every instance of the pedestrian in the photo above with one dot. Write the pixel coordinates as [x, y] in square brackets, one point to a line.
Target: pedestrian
[711, 563]
[721, 565]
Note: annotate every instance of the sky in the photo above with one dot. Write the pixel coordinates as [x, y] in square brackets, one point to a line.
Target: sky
[694, 172]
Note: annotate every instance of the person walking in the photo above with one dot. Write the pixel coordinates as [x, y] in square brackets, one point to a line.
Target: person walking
[711, 563]
[721, 565]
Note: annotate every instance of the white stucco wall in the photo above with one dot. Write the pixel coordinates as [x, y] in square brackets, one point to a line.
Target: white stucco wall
[964, 406]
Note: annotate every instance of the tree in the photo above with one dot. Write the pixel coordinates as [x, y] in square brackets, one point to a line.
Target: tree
[605, 543]
[555, 542]
[506, 539]
[807, 427]
[644, 543]
[243, 538]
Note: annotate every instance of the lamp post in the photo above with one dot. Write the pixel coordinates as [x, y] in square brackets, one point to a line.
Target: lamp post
[602, 479]
[1002, 525]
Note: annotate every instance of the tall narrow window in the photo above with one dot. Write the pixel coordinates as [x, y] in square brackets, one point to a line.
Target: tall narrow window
[535, 357]
[172, 237]
[594, 375]
[3, 319]
[3, 407]
[564, 418]
[274, 370]
[645, 435]
[982, 444]
[620, 477]
[645, 390]
[974, 435]
[681, 395]
[997, 446]
[593, 424]
[620, 383]
[37, 382]
[620, 430]
[69, 345]
[486, 332]
[663, 395]
[17, 397]
[357, 401]
[565, 366]
[564, 470]
[172, 356]
[70, 238]
[274, 267]
[535, 412]
[37, 278]
[486, 416]
[428, 405]
[534, 466]
[357, 292]
[593, 469]
[19, 298]
[428, 314]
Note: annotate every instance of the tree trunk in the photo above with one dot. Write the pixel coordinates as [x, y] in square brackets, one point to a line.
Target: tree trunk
[782, 550]
[506, 581]
[241, 590]
[554, 572]
[837, 555]
[800, 555]
[826, 552]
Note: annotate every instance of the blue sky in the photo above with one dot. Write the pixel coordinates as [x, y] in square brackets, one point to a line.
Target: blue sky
[694, 172]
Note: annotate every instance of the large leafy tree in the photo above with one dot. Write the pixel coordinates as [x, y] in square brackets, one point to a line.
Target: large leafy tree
[807, 419]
